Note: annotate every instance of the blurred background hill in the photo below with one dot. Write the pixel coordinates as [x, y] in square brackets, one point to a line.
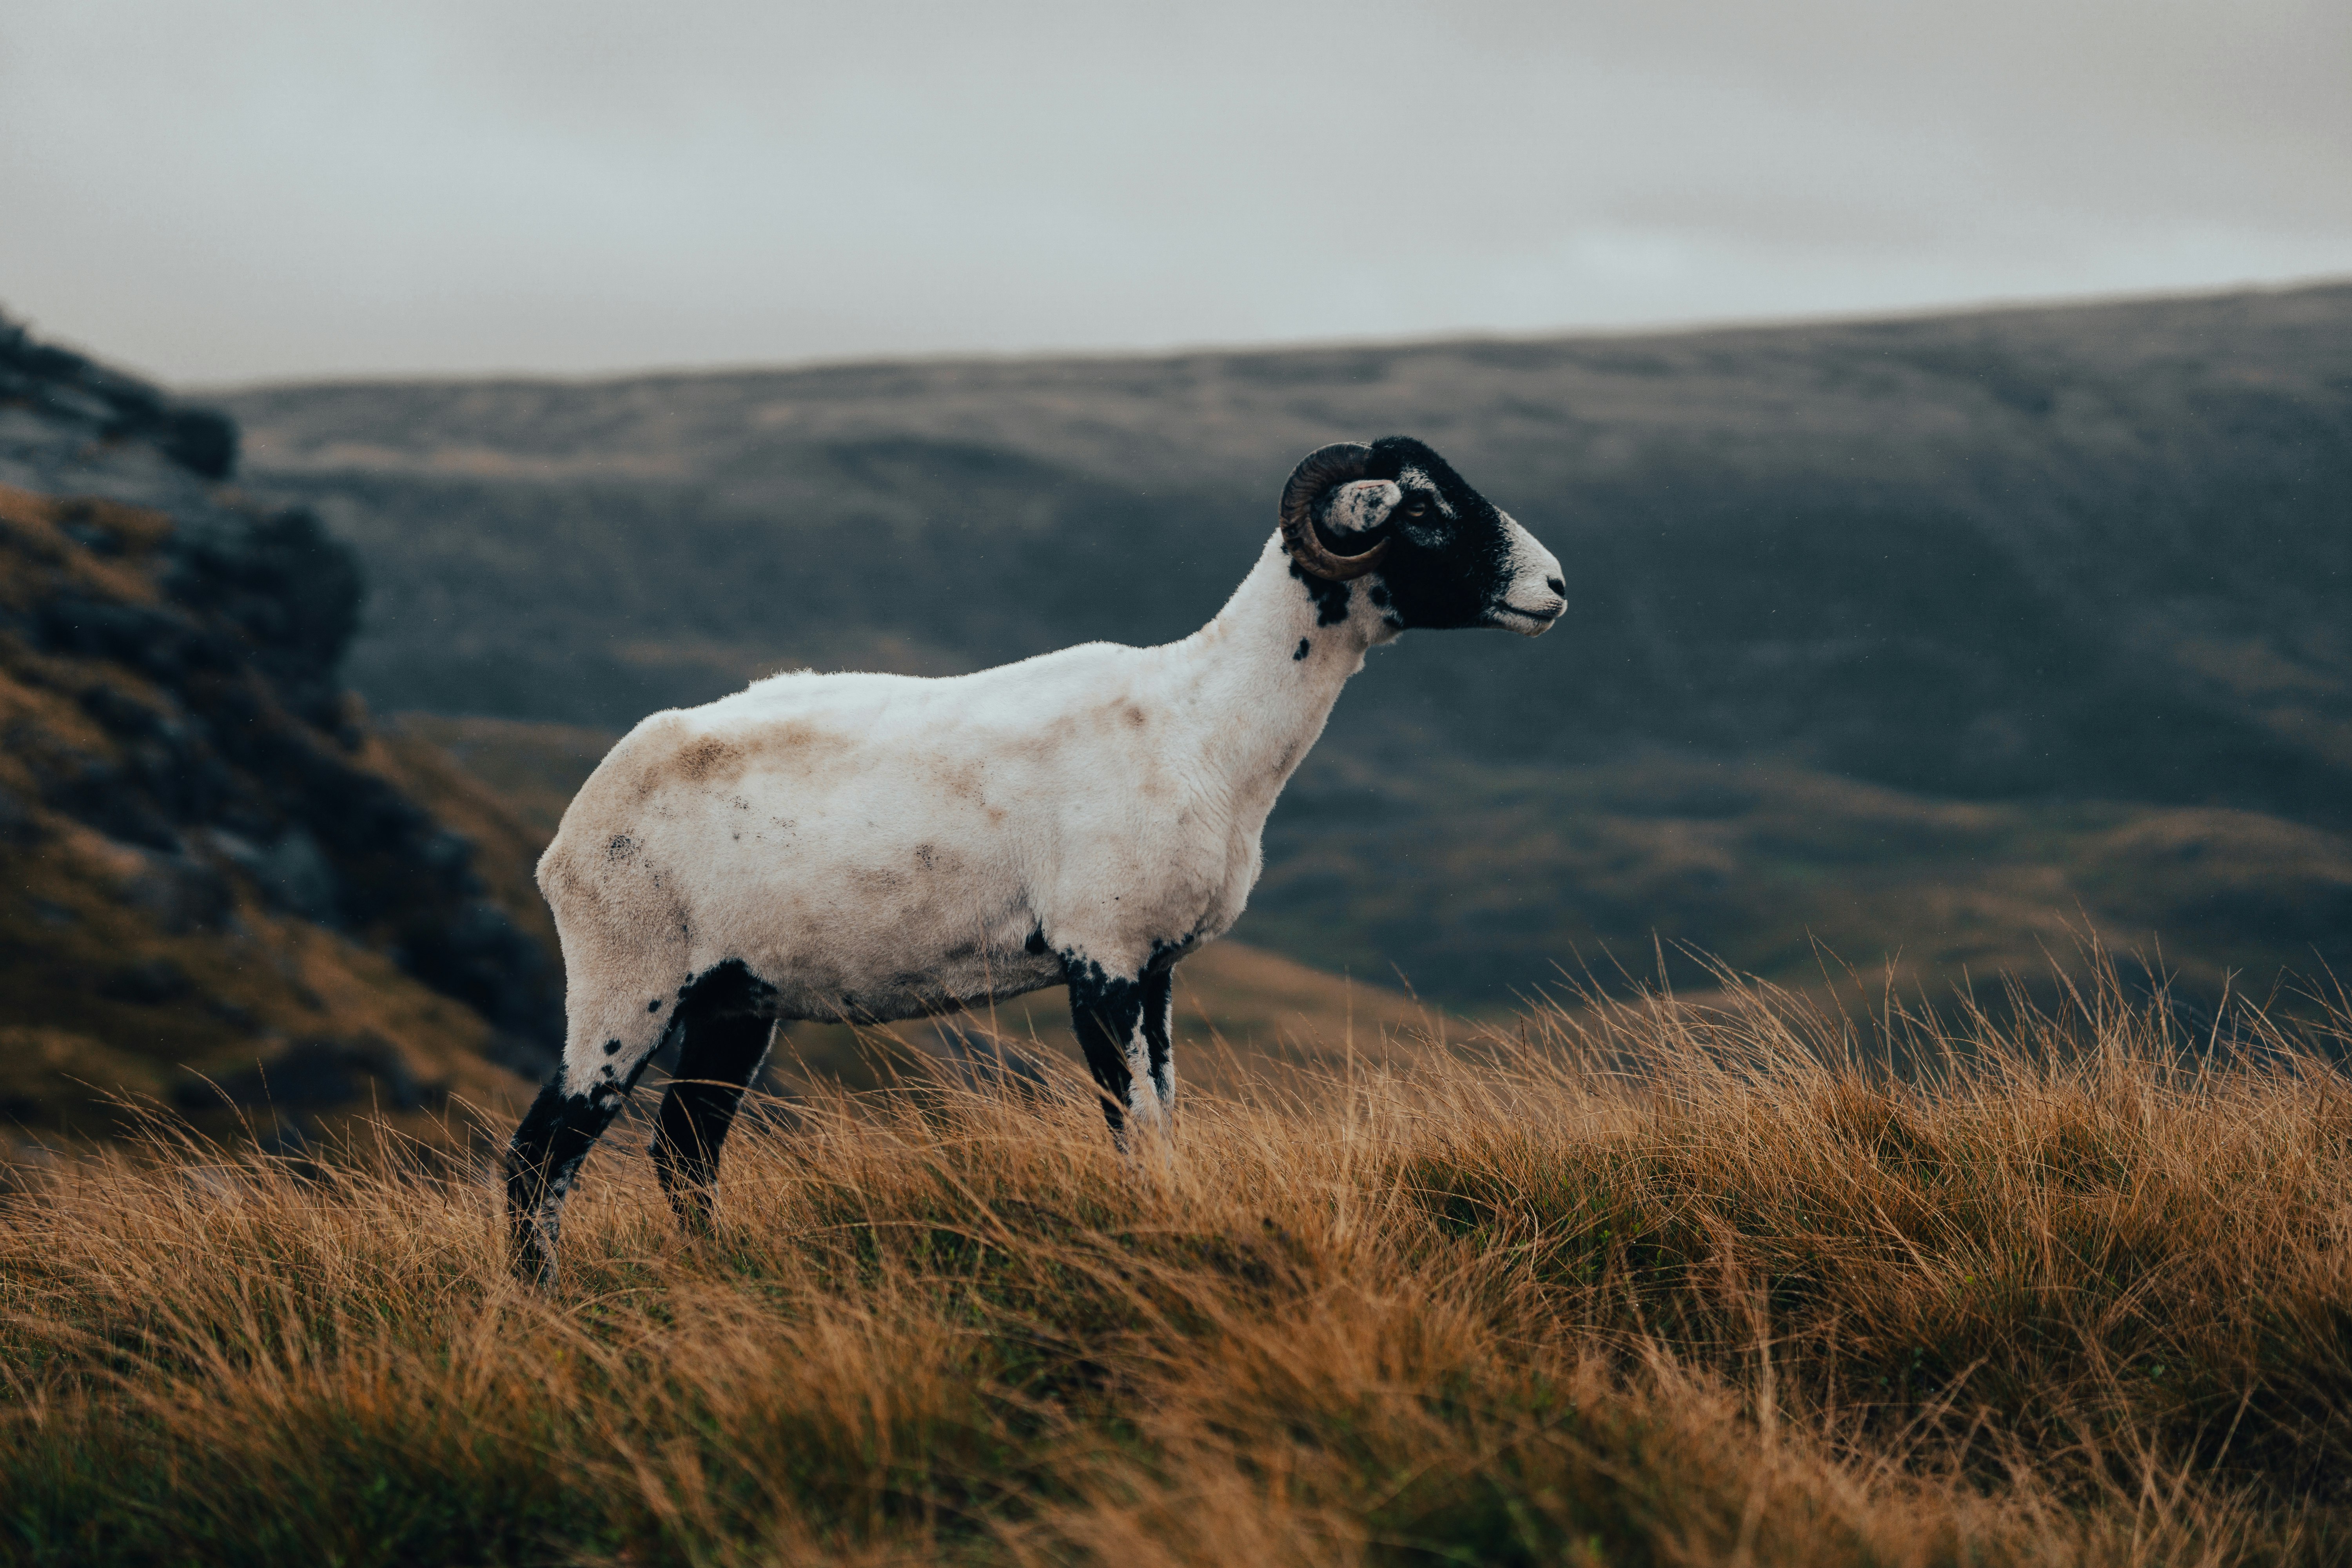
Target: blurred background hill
[1917, 641]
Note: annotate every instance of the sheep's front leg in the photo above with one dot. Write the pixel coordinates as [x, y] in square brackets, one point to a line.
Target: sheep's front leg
[1159, 1016]
[1109, 1014]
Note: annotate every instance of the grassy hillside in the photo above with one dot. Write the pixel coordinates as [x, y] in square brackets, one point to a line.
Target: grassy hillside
[2084, 563]
[2077, 1295]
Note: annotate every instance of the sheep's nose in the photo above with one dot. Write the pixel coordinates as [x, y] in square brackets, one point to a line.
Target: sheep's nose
[1558, 586]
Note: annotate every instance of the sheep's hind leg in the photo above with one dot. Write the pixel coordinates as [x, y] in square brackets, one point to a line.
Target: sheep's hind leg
[721, 1056]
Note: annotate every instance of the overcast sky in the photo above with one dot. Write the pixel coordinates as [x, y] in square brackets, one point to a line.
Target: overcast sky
[265, 189]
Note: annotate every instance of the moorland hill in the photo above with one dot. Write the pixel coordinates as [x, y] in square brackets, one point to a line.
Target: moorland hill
[1917, 636]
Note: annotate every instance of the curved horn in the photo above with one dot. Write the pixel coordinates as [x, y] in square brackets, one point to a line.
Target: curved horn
[1317, 472]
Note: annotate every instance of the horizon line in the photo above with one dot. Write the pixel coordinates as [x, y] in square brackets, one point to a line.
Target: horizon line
[1682, 327]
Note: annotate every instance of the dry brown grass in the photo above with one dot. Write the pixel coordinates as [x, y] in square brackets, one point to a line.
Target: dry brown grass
[1652, 1282]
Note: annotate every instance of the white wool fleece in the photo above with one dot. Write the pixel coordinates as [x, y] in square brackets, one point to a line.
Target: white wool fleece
[880, 847]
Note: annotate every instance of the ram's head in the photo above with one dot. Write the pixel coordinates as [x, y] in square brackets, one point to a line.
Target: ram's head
[1444, 555]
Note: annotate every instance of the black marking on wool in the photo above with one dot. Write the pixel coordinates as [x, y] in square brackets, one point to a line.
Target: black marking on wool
[1036, 943]
[612, 1048]
[654, 1005]
[1305, 644]
[1330, 598]
[727, 989]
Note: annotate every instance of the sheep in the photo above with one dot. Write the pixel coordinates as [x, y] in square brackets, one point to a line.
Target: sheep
[872, 848]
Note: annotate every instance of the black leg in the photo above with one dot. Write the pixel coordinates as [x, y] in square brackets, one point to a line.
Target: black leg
[1159, 1008]
[719, 1058]
[543, 1161]
[1106, 1013]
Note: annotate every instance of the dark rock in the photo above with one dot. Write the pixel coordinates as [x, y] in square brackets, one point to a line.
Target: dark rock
[285, 1136]
[71, 388]
[527, 1056]
[294, 591]
[148, 984]
[309, 1073]
[17, 827]
[397, 1087]
[103, 795]
[183, 894]
[482, 958]
[292, 873]
[158, 641]
[203, 440]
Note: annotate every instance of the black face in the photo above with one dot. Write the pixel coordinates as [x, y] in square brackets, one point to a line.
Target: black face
[1452, 559]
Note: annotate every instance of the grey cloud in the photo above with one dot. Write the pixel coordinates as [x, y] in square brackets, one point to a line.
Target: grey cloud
[286, 189]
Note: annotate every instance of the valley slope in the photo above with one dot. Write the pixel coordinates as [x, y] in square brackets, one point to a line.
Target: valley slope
[1920, 638]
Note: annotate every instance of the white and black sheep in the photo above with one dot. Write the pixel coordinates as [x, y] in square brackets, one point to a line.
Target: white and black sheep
[880, 847]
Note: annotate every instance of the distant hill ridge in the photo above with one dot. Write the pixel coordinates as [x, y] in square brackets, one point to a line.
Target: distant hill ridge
[1981, 555]
[2097, 553]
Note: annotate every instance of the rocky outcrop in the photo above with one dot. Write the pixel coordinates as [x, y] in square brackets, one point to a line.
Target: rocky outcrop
[75, 393]
[212, 864]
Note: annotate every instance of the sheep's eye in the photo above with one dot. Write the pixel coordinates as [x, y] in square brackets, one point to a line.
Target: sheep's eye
[1417, 505]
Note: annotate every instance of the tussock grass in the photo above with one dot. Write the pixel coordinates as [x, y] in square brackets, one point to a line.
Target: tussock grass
[1646, 1282]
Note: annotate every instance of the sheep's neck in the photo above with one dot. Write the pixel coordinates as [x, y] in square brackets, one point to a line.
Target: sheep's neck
[1265, 673]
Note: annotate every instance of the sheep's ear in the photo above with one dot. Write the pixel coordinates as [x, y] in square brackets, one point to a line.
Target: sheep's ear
[1361, 506]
